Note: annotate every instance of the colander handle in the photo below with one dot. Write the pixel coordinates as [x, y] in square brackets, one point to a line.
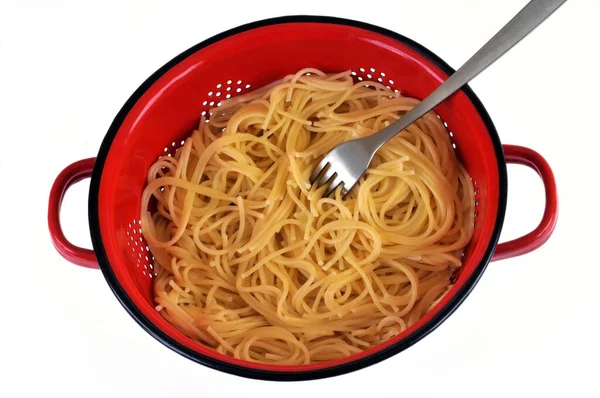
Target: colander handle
[536, 238]
[70, 175]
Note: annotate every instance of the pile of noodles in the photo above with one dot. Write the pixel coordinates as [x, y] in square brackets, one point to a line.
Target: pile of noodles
[254, 262]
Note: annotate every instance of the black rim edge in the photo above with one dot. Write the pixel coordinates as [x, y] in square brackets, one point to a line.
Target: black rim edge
[386, 353]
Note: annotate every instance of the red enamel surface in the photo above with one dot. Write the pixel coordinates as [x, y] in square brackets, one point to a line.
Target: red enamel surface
[69, 176]
[171, 107]
[539, 236]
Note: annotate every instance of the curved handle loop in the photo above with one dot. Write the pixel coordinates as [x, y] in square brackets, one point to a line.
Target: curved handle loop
[536, 238]
[69, 176]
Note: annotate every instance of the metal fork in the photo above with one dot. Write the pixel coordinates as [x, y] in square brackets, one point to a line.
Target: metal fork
[346, 163]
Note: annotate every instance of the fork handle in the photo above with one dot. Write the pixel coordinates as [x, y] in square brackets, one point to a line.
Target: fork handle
[532, 15]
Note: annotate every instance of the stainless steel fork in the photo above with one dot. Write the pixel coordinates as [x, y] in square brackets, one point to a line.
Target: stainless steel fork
[347, 162]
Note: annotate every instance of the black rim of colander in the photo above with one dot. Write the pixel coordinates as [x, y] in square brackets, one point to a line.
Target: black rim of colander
[227, 367]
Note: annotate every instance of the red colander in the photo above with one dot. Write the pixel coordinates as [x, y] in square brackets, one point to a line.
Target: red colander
[167, 106]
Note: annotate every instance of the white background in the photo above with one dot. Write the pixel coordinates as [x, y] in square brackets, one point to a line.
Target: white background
[531, 325]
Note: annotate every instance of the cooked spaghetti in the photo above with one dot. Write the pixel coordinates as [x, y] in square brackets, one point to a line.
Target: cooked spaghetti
[257, 264]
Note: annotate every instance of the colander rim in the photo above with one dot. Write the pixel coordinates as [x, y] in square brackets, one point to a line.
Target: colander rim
[283, 375]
